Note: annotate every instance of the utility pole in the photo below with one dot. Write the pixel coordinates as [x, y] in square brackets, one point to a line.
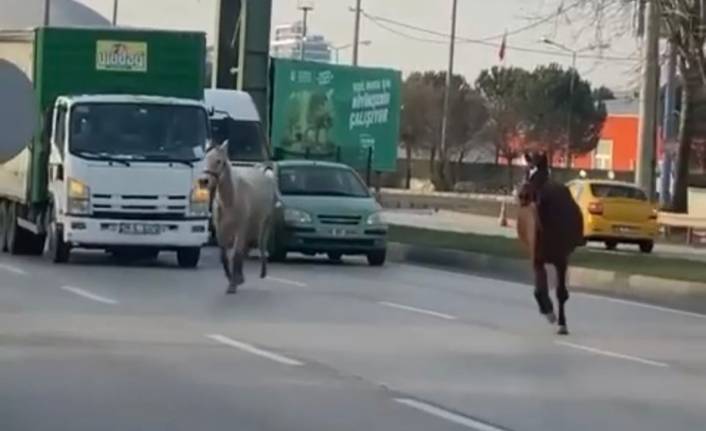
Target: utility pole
[570, 114]
[447, 88]
[305, 7]
[47, 12]
[115, 13]
[644, 172]
[356, 32]
[669, 128]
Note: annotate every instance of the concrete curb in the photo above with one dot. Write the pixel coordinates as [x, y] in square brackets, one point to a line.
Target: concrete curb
[651, 289]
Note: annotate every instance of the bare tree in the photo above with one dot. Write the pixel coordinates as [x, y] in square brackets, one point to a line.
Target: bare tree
[685, 24]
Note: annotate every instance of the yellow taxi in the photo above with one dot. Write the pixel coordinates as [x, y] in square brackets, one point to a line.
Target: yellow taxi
[616, 212]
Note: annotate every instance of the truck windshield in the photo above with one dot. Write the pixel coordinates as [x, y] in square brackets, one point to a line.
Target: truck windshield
[246, 140]
[138, 131]
[320, 181]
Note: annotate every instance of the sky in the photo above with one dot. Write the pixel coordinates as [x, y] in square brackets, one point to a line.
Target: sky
[477, 19]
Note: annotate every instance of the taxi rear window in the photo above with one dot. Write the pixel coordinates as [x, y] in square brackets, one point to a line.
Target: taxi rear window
[617, 191]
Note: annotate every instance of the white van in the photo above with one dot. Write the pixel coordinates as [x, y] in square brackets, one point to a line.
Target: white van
[235, 117]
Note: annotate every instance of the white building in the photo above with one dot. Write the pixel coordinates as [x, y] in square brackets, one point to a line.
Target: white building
[21, 14]
[288, 42]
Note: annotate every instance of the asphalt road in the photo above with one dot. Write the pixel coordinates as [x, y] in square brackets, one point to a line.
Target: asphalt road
[320, 347]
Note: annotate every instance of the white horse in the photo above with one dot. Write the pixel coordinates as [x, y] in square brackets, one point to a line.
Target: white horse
[243, 207]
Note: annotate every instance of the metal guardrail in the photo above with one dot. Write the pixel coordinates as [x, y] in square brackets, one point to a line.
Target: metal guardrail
[695, 226]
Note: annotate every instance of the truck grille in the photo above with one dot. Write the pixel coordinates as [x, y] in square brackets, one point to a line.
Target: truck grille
[155, 207]
[339, 219]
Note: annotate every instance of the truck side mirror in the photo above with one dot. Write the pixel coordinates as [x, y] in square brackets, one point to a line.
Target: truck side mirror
[47, 125]
[59, 172]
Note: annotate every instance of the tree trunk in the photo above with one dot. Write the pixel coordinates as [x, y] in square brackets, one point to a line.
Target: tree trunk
[408, 173]
[681, 180]
[459, 166]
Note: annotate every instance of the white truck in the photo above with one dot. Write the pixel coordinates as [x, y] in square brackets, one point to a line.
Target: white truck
[117, 161]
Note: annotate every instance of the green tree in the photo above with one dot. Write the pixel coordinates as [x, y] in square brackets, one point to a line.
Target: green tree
[565, 117]
[422, 116]
[603, 93]
[506, 93]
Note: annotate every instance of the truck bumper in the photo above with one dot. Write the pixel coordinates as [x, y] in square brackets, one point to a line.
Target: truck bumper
[106, 233]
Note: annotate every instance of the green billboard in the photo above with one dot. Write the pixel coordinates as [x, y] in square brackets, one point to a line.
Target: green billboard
[332, 112]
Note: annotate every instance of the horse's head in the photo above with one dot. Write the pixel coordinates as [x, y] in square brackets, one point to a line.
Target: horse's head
[537, 168]
[536, 175]
[217, 162]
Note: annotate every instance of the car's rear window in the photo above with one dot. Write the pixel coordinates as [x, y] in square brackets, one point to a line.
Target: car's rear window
[617, 191]
[321, 181]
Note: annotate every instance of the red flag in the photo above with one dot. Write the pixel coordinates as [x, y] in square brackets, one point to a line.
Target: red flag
[503, 46]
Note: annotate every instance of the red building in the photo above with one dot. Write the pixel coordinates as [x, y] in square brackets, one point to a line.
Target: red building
[617, 148]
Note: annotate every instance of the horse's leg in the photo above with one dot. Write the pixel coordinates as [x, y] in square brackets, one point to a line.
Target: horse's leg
[562, 295]
[541, 292]
[224, 262]
[232, 256]
[263, 240]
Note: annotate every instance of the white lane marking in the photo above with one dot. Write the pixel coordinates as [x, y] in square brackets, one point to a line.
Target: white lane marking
[612, 354]
[644, 305]
[417, 310]
[447, 415]
[575, 292]
[254, 350]
[88, 295]
[287, 282]
[13, 269]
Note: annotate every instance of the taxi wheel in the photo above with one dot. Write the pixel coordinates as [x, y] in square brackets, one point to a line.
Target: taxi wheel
[647, 246]
[611, 245]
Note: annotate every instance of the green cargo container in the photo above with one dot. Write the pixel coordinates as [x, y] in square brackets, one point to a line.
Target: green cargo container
[73, 61]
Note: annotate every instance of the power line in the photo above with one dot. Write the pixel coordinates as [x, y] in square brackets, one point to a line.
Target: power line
[379, 20]
[560, 11]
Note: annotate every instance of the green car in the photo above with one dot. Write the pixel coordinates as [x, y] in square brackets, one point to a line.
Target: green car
[326, 208]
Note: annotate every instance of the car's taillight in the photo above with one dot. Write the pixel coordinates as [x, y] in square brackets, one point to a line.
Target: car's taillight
[654, 214]
[595, 208]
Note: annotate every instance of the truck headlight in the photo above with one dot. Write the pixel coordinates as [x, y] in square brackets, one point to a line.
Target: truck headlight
[375, 219]
[200, 198]
[292, 216]
[79, 197]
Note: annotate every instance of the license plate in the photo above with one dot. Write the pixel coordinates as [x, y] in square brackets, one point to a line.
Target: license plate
[140, 229]
[340, 232]
[623, 229]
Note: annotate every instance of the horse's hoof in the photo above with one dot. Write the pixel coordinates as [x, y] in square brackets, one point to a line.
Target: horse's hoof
[551, 317]
[563, 330]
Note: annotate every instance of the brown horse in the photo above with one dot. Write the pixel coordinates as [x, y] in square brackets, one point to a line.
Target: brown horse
[550, 225]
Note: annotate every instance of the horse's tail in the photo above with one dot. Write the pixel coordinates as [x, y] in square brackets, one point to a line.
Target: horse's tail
[263, 241]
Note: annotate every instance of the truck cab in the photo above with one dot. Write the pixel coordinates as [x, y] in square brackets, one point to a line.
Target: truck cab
[123, 173]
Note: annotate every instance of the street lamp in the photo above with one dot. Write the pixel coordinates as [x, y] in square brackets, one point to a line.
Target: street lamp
[572, 84]
[115, 13]
[305, 6]
[338, 49]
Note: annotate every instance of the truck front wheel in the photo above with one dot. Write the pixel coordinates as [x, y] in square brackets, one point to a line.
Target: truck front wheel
[3, 226]
[189, 257]
[56, 248]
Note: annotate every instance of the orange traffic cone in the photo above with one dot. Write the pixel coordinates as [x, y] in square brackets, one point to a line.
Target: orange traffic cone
[502, 220]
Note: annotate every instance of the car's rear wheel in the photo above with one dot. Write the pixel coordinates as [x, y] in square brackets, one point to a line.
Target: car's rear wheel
[335, 257]
[377, 257]
[611, 245]
[647, 246]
